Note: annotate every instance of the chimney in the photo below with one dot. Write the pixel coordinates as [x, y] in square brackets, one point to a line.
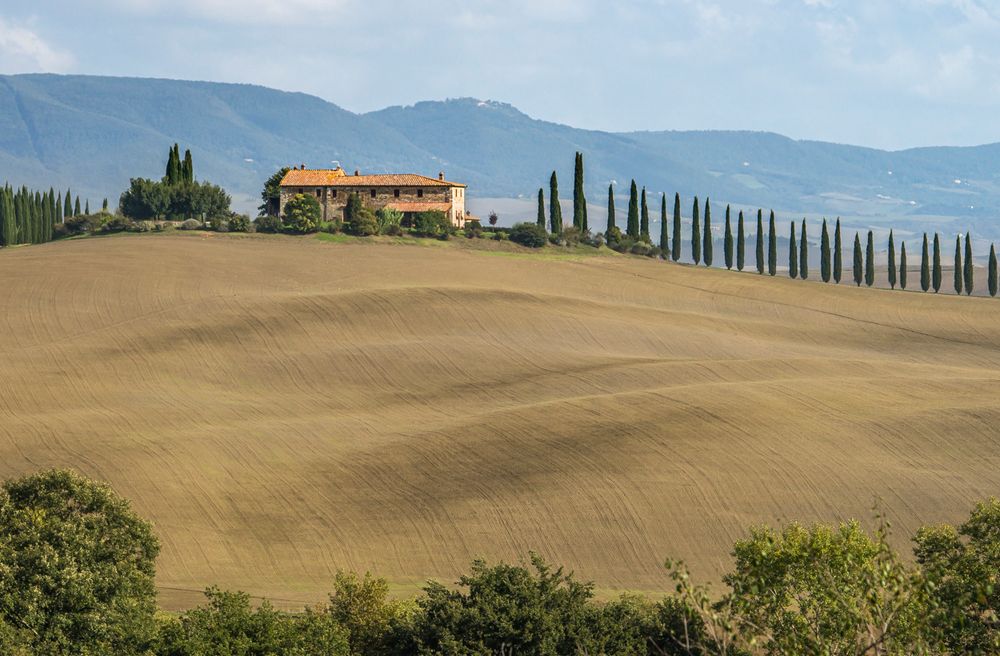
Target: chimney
[441, 176]
[357, 172]
[303, 167]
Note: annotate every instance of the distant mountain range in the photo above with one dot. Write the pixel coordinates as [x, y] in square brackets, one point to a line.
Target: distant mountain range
[94, 133]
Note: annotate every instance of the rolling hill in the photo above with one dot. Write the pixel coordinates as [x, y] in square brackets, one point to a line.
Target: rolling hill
[94, 133]
[283, 407]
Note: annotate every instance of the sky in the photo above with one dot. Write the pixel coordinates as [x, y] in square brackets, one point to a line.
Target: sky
[882, 73]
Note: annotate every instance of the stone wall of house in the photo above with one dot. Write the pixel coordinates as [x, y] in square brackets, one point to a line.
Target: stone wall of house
[333, 200]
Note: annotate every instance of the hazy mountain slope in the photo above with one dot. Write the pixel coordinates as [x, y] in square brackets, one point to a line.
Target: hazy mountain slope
[95, 132]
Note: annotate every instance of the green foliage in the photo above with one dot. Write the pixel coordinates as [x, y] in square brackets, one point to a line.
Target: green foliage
[76, 567]
[664, 227]
[892, 262]
[239, 223]
[611, 213]
[993, 271]
[302, 215]
[695, 232]
[925, 267]
[675, 253]
[644, 219]
[741, 243]
[374, 624]
[772, 247]
[271, 194]
[824, 254]
[555, 209]
[793, 257]
[529, 234]
[936, 268]
[728, 241]
[229, 626]
[433, 224]
[969, 269]
[760, 242]
[838, 254]
[958, 274]
[803, 253]
[963, 566]
[859, 263]
[390, 221]
[707, 247]
[26, 216]
[267, 224]
[632, 224]
[541, 208]
[902, 266]
[579, 197]
[870, 260]
[145, 199]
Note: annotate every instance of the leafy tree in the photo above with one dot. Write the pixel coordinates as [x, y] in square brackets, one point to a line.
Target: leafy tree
[902, 266]
[772, 248]
[793, 257]
[104, 206]
[696, 233]
[741, 243]
[968, 271]
[892, 262]
[708, 246]
[870, 260]
[555, 210]
[579, 197]
[859, 263]
[432, 223]
[925, 267]
[238, 223]
[993, 271]
[760, 242]
[958, 264]
[527, 234]
[675, 254]
[76, 567]
[270, 195]
[612, 227]
[824, 254]
[963, 567]
[632, 225]
[728, 243]
[303, 214]
[936, 270]
[187, 168]
[803, 253]
[644, 220]
[362, 608]
[541, 208]
[664, 226]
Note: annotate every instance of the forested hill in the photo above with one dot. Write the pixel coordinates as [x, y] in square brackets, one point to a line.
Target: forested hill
[93, 133]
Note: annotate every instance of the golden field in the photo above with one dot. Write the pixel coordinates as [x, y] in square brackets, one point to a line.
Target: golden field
[280, 408]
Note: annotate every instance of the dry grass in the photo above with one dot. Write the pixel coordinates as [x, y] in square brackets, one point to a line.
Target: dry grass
[281, 408]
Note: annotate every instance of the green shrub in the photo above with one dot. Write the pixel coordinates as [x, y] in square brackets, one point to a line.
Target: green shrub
[268, 224]
[331, 227]
[531, 235]
[302, 215]
[239, 223]
[115, 223]
[192, 224]
[473, 229]
[362, 223]
[389, 221]
[432, 224]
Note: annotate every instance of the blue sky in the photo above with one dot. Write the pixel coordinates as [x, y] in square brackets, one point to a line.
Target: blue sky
[884, 73]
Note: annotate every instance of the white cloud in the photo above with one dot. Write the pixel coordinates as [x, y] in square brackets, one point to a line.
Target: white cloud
[284, 12]
[23, 51]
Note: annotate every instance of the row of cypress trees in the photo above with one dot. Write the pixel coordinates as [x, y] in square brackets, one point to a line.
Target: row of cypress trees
[28, 216]
[702, 241]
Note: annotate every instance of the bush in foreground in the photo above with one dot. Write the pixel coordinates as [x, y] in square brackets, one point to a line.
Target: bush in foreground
[531, 235]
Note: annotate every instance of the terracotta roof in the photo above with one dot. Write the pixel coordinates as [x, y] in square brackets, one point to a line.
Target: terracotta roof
[311, 177]
[420, 207]
[307, 178]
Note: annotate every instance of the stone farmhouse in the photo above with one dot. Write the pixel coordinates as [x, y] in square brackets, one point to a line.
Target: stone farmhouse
[408, 193]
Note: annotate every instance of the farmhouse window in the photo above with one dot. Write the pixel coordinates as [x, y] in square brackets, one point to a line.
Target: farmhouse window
[420, 193]
[334, 193]
[373, 193]
[319, 193]
[396, 193]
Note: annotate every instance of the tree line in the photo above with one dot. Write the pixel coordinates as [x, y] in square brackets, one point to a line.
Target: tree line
[637, 239]
[77, 576]
[178, 195]
[29, 217]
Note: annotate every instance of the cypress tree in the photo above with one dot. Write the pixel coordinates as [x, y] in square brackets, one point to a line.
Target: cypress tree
[187, 168]
[664, 225]
[793, 258]
[858, 261]
[695, 233]
[540, 219]
[8, 231]
[611, 212]
[760, 243]
[59, 209]
[644, 221]
[579, 200]
[925, 267]
[958, 264]
[68, 206]
[76, 207]
[104, 206]
[969, 264]
[993, 270]
[870, 260]
[892, 262]
[707, 250]
[803, 253]
[936, 267]
[87, 209]
[902, 266]
[838, 255]
[675, 253]
[555, 210]
[772, 248]
[632, 225]
[741, 243]
[824, 254]
[728, 244]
